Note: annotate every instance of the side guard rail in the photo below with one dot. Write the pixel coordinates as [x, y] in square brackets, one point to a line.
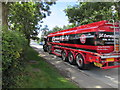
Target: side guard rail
[108, 67]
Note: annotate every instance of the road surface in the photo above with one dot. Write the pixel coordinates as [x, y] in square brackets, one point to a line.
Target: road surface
[93, 78]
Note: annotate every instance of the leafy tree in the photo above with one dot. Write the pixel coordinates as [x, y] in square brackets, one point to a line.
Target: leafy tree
[24, 17]
[45, 30]
[68, 26]
[117, 5]
[55, 29]
[88, 12]
[44, 33]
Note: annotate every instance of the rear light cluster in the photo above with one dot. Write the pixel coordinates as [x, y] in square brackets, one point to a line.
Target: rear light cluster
[117, 47]
[108, 60]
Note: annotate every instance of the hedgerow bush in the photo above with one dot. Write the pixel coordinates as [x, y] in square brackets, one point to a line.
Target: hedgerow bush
[14, 45]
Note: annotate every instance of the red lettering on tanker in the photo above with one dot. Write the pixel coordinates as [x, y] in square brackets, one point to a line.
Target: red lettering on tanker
[83, 38]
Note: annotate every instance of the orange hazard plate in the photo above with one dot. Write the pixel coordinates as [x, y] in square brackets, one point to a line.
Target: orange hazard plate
[110, 59]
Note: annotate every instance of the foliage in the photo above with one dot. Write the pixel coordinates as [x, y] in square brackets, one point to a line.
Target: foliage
[44, 30]
[24, 17]
[13, 48]
[68, 26]
[88, 12]
[117, 8]
[55, 29]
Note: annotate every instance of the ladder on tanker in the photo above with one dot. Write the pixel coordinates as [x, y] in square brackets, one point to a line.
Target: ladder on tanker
[116, 28]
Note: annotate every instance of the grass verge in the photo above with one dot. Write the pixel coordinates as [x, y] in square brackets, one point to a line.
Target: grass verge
[39, 74]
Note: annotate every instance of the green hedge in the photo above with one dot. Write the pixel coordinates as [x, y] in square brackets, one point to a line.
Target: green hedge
[14, 45]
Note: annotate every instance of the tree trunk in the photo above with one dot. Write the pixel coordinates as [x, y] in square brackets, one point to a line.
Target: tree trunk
[4, 14]
[0, 14]
[28, 42]
[28, 39]
[119, 10]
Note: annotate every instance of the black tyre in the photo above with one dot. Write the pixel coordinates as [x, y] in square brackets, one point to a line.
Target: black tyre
[71, 58]
[80, 62]
[63, 54]
[49, 49]
[45, 48]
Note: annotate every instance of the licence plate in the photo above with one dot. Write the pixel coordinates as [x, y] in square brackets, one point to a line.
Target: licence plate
[110, 59]
[98, 64]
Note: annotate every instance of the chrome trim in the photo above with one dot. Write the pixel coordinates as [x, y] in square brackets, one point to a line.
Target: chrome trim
[112, 56]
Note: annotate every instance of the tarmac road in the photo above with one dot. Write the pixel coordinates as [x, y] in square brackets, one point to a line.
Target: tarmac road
[93, 78]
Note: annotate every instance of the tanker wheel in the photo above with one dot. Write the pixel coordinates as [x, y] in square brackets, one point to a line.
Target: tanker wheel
[45, 48]
[63, 54]
[71, 58]
[49, 49]
[80, 62]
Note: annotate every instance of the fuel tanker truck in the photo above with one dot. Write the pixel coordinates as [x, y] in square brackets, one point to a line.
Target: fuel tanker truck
[97, 43]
